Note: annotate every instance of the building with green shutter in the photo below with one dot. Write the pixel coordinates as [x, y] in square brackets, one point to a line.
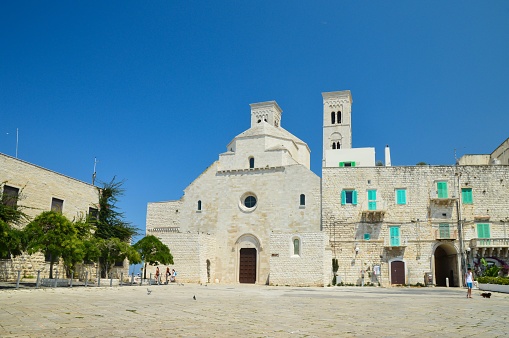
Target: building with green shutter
[394, 225]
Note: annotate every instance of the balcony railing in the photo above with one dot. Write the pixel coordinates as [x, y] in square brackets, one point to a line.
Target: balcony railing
[395, 243]
[446, 235]
[489, 243]
[374, 206]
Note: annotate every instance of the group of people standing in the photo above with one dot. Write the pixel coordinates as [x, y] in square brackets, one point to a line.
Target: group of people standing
[171, 276]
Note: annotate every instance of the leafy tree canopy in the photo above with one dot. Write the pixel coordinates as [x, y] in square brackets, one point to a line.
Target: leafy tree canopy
[54, 235]
[153, 251]
[110, 222]
[11, 241]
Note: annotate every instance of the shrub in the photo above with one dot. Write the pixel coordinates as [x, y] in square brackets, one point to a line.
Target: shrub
[493, 280]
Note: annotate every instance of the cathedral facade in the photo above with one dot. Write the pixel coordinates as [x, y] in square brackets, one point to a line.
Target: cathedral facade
[259, 215]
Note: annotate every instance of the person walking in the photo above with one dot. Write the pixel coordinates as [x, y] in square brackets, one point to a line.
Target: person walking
[157, 275]
[469, 281]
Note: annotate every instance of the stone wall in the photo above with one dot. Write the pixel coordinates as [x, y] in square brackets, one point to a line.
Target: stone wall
[305, 269]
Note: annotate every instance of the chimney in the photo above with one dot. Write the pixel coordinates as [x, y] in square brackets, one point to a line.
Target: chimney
[387, 156]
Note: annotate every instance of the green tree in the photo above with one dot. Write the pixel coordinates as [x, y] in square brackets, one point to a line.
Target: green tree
[11, 217]
[153, 252]
[110, 222]
[11, 241]
[54, 235]
[115, 250]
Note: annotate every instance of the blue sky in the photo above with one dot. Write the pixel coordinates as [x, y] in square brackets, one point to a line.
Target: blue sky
[156, 90]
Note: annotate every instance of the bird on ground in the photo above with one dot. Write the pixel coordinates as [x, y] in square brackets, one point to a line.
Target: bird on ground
[148, 291]
[194, 297]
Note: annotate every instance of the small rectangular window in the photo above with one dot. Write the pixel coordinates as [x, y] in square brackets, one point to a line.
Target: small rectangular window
[372, 199]
[367, 237]
[466, 195]
[400, 196]
[394, 236]
[444, 231]
[92, 214]
[10, 196]
[442, 190]
[57, 205]
[483, 232]
[348, 197]
[347, 164]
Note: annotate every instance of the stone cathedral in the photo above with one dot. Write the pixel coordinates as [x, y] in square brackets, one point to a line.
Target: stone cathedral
[260, 215]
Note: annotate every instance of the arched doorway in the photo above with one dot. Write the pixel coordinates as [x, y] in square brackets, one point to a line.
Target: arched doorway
[446, 265]
[248, 249]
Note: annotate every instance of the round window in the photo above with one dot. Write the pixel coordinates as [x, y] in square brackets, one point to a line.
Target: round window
[250, 202]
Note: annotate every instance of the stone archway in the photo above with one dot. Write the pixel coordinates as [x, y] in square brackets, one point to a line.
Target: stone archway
[446, 265]
[247, 252]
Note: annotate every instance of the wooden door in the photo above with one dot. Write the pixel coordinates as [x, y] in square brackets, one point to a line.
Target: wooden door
[247, 268]
[398, 272]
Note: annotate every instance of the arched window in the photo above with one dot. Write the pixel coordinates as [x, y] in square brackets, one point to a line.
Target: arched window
[338, 145]
[302, 199]
[333, 117]
[199, 205]
[334, 145]
[339, 117]
[296, 246]
[251, 162]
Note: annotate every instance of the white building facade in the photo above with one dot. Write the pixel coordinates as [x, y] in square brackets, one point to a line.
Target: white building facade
[259, 215]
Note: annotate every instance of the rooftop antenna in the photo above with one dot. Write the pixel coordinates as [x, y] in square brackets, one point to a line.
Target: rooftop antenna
[94, 174]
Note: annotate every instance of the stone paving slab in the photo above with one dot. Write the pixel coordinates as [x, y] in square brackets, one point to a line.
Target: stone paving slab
[251, 311]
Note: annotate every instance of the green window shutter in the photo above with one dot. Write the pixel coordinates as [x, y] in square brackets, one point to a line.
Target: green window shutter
[483, 230]
[343, 197]
[466, 195]
[401, 196]
[354, 197]
[367, 237]
[394, 234]
[371, 195]
[444, 230]
[341, 164]
[442, 189]
[353, 164]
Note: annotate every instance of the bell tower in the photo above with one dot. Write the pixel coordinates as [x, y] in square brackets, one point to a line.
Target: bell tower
[337, 121]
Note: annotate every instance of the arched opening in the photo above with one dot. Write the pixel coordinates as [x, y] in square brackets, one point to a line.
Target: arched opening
[338, 145]
[199, 205]
[251, 162]
[208, 271]
[302, 199]
[446, 265]
[247, 248]
[339, 117]
[334, 145]
[333, 117]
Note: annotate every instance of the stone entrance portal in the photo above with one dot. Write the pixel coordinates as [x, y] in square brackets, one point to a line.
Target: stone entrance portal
[446, 265]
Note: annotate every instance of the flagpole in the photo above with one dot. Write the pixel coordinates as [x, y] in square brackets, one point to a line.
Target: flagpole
[17, 142]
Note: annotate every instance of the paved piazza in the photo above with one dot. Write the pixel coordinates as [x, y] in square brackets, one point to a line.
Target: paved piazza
[250, 311]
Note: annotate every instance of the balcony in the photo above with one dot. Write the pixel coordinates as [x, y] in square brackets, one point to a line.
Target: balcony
[449, 235]
[373, 211]
[442, 201]
[395, 243]
[490, 246]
